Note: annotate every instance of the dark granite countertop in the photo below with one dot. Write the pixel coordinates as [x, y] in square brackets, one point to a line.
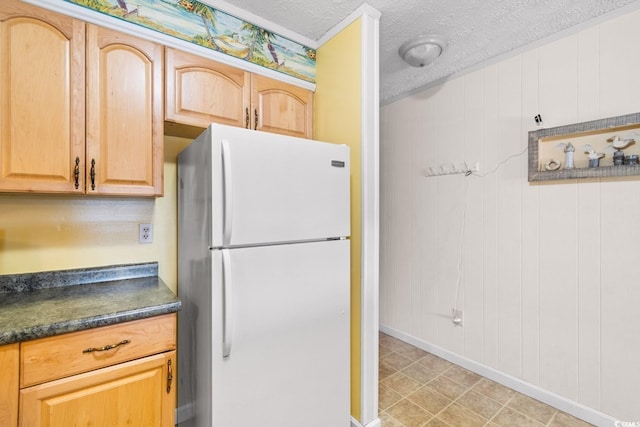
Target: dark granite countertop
[36, 305]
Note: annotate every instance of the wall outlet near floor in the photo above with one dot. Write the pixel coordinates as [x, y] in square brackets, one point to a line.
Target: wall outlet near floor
[145, 233]
[456, 316]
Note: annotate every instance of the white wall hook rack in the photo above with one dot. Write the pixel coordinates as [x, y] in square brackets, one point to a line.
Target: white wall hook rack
[452, 168]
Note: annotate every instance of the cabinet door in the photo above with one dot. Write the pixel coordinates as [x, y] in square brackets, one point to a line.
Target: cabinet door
[124, 114]
[281, 108]
[42, 103]
[9, 355]
[139, 393]
[201, 91]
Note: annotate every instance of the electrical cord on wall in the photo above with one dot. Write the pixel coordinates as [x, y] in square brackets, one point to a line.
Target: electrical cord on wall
[456, 314]
[482, 175]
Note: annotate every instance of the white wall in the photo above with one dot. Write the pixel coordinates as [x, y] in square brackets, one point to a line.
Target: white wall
[550, 285]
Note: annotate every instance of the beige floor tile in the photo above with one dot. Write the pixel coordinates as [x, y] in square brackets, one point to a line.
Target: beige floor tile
[387, 420]
[435, 422]
[462, 376]
[508, 417]
[435, 363]
[419, 372]
[532, 408]
[429, 399]
[385, 369]
[383, 351]
[409, 414]
[403, 347]
[495, 391]
[401, 383]
[565, 420]
[449, 388]
[419, 389]
[459, 416]
[413, 353]
[479, 404]
[395, 361]
[389, 341]
[387, 397]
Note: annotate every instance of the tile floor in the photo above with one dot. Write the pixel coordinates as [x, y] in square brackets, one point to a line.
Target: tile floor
[419, 389]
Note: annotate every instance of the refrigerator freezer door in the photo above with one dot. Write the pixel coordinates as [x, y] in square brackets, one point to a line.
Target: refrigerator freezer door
[276, 188]
[288, 364]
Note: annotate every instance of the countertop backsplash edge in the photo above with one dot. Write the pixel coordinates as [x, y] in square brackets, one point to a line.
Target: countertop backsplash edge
[24, 282]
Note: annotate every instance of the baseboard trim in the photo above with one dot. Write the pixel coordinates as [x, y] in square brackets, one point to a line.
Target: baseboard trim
[569, 406]
[184, 413]
[374, 423]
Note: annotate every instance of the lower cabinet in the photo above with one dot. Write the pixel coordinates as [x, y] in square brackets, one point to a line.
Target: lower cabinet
[9, 375]
[118, 375]
[137, 393]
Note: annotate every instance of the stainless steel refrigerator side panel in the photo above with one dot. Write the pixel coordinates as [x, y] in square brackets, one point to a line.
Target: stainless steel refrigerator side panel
[194, 276]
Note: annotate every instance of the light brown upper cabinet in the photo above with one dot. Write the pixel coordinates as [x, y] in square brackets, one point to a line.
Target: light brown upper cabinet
[80, 107]
[124, 114]
[200, 91]
[42, 84]
[281, 108]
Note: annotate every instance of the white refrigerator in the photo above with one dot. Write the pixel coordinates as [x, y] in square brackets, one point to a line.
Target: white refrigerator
[263, 276]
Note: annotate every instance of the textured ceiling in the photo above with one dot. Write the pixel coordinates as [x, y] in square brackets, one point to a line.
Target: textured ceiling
[476, 30]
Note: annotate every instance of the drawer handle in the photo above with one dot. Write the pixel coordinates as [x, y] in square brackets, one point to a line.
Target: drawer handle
[106, 347]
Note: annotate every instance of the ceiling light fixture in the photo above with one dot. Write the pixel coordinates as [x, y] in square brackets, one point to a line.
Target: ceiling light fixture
[422, 50]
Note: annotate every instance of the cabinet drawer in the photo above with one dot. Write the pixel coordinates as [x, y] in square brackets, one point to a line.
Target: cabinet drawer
[60, 356]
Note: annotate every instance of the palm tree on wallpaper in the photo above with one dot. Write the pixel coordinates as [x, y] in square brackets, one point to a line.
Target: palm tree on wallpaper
[260, 36]
[206, 13]
[311, 53]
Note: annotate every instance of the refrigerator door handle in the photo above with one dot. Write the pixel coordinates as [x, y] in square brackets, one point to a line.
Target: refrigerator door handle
[228, 199]
[227, 323]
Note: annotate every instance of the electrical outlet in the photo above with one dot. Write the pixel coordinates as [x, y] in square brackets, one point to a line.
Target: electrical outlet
[456, 316]
[145, 233]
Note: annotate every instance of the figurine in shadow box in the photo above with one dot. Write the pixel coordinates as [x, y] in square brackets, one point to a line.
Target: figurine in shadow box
[594, 158]
[569, 149]
[552, 165]
[617, 145]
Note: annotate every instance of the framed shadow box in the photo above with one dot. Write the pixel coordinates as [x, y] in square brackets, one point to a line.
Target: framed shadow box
[599, 148]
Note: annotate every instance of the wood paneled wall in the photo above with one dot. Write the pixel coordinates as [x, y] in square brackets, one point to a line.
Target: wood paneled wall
[548, 273]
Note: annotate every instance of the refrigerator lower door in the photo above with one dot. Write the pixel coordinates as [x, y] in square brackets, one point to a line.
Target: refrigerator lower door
[281, 336]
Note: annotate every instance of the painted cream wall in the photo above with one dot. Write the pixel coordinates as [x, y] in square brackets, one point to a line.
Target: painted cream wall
[337, 119]
[549, 284]
[54, 232]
